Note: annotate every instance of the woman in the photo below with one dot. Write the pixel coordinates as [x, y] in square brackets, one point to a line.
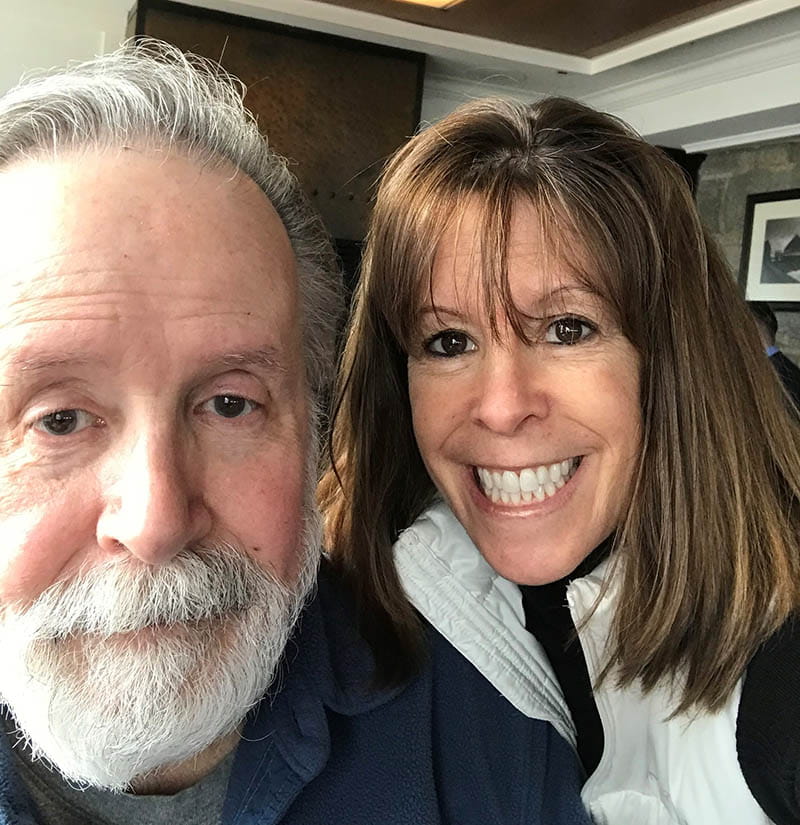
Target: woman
[551, 381]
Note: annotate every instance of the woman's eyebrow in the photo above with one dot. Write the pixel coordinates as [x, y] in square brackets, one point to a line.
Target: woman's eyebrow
[546, 298]
[568, 289]
[438, 310]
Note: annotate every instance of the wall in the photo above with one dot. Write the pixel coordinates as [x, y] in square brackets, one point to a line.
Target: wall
[44, 33]
[727, 177]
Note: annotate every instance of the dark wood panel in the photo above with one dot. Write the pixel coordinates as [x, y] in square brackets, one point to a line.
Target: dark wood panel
[335, 107]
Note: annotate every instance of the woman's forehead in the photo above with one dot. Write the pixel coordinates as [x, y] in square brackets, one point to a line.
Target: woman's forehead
[473, 231]
[535, 257]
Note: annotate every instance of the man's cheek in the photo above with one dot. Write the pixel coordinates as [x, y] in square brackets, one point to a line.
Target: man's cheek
[36, 545]
[268, 520]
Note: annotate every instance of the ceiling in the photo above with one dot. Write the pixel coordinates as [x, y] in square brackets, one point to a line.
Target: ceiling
[687, 73]
[584, 28]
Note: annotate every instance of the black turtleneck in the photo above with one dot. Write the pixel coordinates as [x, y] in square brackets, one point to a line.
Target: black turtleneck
[548, 618]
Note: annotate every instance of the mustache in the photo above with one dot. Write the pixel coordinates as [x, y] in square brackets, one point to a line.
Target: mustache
[205, 582]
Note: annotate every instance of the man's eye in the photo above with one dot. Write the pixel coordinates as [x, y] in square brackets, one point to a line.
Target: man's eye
[449, 343]
[230, 406]
[568, 330]
[64, 422]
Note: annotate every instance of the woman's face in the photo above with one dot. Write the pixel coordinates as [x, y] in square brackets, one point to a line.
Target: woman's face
[532, 445]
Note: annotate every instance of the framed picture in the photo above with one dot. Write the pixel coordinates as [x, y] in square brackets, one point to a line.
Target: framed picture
[770, 265]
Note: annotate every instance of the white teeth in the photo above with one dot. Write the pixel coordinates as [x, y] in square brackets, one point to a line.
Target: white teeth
[528, 481]
[531, 483]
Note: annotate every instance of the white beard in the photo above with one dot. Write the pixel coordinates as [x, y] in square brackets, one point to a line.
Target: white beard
[203, 638]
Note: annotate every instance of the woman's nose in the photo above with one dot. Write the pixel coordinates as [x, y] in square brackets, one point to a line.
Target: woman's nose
[512, 388]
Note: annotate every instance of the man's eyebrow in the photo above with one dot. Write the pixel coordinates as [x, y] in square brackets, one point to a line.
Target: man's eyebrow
[43, 363]
[268, 359]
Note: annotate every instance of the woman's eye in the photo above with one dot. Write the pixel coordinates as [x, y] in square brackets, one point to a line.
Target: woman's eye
[449, 343]
[568, 330]
[230, 406]
[65, 422]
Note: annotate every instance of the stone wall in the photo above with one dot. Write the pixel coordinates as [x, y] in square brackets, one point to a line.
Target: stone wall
[727, 177]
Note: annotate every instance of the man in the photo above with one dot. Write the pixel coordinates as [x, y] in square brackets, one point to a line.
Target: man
[787, 370]
[168, 306]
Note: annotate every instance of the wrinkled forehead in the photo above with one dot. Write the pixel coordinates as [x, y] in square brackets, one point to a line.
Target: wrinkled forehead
[99, 240]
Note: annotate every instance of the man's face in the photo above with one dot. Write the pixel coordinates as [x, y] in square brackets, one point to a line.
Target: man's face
[153, 437]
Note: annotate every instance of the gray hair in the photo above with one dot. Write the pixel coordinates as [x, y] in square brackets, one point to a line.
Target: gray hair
[151, 94]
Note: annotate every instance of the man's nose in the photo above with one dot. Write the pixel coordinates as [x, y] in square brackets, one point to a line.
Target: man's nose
[512, 389]
[153, 508]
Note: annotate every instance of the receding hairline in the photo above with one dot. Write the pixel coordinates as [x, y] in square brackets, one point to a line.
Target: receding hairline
[241, 184]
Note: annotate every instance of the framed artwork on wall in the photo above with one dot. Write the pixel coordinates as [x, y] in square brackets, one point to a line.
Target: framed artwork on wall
[770, 264]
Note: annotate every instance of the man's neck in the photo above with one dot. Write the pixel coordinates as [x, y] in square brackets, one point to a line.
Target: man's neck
[174, 778]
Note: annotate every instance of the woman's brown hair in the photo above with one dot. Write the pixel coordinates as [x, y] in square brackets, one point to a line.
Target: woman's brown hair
[708, 547]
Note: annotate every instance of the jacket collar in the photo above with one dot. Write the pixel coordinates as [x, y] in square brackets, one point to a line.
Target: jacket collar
[328, 654]
[286, 742]
[480, 613]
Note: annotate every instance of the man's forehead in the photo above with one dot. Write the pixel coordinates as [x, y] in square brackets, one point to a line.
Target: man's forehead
[137, 188]
[87, 227]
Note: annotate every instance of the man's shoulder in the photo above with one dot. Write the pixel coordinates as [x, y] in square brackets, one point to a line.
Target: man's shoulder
[396, 755]
[15, 804]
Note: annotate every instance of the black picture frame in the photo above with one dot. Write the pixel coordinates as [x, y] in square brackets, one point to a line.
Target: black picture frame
[769, 269]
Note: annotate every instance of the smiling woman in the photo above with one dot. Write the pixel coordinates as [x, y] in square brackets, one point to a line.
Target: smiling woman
[494, 410]
[555, 416]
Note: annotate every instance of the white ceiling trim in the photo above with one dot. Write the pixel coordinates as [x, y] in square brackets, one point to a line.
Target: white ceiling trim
[713, 24]
[375, 28]
[777, 53]
[763, 77]
[778, 133]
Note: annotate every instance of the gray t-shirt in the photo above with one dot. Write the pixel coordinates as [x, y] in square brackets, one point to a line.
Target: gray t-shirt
[58, 803]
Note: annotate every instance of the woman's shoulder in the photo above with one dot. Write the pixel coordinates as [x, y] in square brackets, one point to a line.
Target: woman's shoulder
[768, 725]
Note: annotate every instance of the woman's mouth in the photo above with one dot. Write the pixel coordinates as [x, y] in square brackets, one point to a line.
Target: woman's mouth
[531, 484]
